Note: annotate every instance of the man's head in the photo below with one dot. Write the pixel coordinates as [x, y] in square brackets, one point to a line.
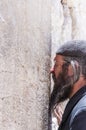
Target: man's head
[70, 64]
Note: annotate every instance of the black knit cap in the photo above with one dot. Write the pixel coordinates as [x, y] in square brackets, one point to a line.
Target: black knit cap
[74, 48]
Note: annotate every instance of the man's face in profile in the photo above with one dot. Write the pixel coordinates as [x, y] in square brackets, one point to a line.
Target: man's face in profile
[62, 82]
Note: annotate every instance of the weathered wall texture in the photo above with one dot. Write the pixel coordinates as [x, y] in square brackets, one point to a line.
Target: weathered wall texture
[61, 24]
[24, 64]
[68, 22]
[78, 16]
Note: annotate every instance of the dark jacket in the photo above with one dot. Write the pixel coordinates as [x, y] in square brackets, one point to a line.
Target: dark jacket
[79, 121]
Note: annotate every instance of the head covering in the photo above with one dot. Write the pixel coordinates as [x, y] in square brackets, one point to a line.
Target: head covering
[74, 48]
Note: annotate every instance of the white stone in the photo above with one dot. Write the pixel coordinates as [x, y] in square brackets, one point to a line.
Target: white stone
[24, 64]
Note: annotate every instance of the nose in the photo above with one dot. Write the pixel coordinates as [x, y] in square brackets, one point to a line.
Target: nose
[52, 70]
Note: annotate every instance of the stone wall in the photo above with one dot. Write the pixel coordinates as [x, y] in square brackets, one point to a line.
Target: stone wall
[24, 64]
[68, 21]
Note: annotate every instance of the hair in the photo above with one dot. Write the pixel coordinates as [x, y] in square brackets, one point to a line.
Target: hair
[75, 52]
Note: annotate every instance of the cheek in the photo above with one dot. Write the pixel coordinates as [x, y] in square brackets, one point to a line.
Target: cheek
[57, 71]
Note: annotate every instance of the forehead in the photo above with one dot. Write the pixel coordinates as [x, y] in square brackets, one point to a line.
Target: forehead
[59, 58]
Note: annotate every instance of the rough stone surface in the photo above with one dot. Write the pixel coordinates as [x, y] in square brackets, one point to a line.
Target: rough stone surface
[78, 16]
[24, 64]
[68, 21]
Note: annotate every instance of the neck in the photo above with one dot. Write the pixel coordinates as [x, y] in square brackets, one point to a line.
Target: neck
[79, 84]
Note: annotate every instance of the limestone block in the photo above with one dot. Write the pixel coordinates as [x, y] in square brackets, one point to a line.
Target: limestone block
[61, 24]
[57, 22]
[78, 16]
[24, 64]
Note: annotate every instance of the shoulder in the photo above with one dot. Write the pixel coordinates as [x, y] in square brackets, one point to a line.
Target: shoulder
[78, 115]
[79, 121]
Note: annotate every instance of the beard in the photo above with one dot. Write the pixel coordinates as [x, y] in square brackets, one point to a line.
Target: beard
[62, 88]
